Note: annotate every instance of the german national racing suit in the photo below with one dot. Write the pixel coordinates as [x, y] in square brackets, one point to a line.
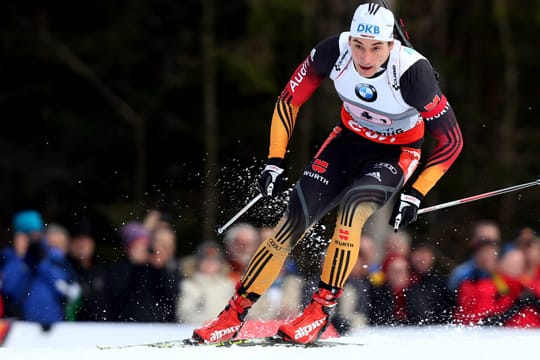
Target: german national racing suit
[367, 158]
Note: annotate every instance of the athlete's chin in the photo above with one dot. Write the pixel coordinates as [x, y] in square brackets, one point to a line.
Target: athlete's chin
[367, 71]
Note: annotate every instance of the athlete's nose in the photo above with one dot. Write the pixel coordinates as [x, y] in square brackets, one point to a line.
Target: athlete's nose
[365, 59]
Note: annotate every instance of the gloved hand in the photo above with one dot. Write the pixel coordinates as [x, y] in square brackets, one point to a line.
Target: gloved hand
[70, 290]
[271, 178]
[406, 209]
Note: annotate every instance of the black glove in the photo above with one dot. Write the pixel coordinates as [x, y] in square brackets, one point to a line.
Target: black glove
[406, 209]
[271, 178]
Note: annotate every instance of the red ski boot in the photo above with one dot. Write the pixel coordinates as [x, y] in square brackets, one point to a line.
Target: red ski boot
[227, 324]
[309, 326]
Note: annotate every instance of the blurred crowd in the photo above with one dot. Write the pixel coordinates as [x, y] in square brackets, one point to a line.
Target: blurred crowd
[49, 274]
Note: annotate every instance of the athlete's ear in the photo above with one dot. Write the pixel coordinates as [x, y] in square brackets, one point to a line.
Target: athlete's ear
[391, 45]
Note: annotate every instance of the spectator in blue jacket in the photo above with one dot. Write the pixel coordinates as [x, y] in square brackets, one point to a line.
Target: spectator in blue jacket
[54, 285]
[19, 262]
[483, 231]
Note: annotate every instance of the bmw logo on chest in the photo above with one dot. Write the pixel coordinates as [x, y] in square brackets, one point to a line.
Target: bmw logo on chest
[366, 92]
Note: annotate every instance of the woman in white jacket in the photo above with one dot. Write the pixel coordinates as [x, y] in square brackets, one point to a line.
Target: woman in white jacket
[203, 293]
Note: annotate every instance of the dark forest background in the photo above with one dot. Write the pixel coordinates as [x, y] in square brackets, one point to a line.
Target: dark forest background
[112, 108]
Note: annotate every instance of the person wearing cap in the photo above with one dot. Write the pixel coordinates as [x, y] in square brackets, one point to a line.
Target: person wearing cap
[390, 97]
[131, 285]
[20, 261]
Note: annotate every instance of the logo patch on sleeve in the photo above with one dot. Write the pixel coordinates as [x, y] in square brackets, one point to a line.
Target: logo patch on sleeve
[433, 104]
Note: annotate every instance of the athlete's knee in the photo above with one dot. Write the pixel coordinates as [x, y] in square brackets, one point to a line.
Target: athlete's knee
[297, 215]
[357, 210]
[360, 194]
[285, 235]
[272, 245]
[363, 211]
[366, 209]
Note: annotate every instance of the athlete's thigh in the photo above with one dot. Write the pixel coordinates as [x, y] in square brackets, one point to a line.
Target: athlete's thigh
[377, 182]
[318, 189]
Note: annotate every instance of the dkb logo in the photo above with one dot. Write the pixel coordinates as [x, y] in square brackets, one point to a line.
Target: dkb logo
[368, 29]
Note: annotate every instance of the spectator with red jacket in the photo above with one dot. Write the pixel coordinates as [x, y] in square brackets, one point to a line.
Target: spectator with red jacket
[484, 231]
[526, 311]
[485, 297]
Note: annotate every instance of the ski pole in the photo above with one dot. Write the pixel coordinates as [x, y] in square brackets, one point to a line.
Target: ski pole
[479, 196]
[221, 229]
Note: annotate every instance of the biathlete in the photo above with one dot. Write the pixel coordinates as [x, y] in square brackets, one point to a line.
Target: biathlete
[390, 96]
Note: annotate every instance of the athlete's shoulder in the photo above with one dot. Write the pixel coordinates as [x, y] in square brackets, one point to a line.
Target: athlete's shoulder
[328, 47]
[325, 53]
[407, 56]
[418, 81]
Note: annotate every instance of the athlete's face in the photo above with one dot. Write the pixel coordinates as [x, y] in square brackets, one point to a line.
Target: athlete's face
[369, 55]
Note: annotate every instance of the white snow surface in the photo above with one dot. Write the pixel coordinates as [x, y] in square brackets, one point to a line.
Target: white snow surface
[399, 343]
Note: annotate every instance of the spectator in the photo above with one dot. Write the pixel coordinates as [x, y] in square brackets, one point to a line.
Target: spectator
[167, 270]
[484, 231]
[202, 294]
[529, 243]
[264, 233]
[163, 248]
[20, 261]
[91, 275]
[389, 300]
[397, 243]
[240, 242]
[156, 219]
[428, 299]
[368, 253]
[525, 236]
[54, 284]
[15, 275]
[526, 311]
[131, 283]
[484, 293]
[386, 295]
[532, 258]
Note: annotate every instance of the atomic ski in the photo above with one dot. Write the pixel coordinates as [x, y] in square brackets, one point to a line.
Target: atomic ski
[263, 342]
